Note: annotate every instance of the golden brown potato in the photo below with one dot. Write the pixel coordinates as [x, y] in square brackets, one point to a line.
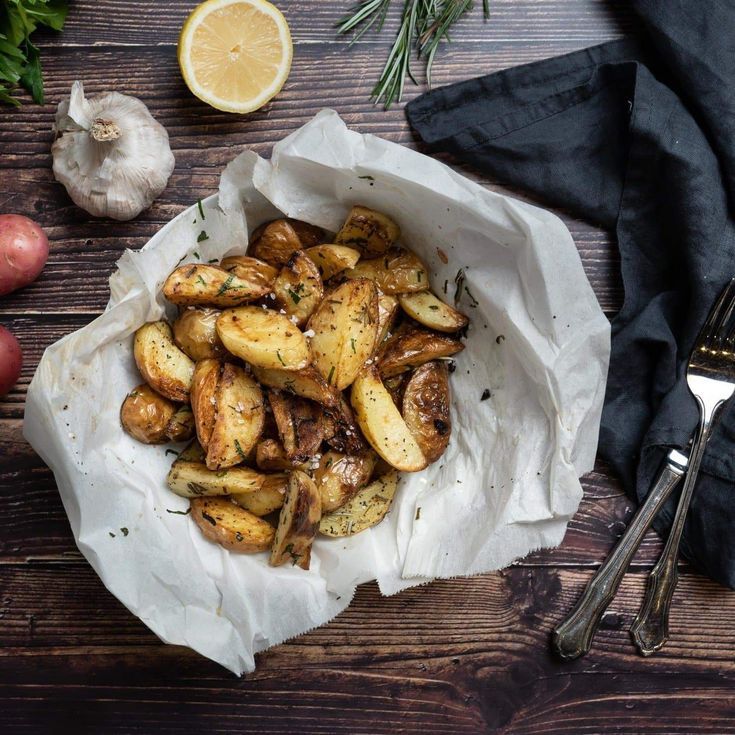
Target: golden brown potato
[239, 421]
[146, 416]
[341, 431]
[433, 313]
[161, 363]
[195, 334]
[309, 235]
[300, 424]
[395, 272]
[298, 523]
[414, 347]
[264, 338]
[369, 231]
[339, 476]
[426, 408]
[382, 424]
[270, 456]
[345, 328]
[231, 526]
[204, 387]
[193, 479]
[209, 285]
[275, 243]
[298, 287]
[182, 427]
[256, 272]
[387, 314]
[268, 498]
[332, 259]
[307, 383]
[365, 509]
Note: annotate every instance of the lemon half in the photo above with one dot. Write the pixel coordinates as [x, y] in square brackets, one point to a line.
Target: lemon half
[235, 54]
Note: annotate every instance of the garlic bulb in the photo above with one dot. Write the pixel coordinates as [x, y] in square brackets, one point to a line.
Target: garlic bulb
[111, 155]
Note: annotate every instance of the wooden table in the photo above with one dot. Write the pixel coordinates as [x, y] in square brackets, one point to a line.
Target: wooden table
[459, 656]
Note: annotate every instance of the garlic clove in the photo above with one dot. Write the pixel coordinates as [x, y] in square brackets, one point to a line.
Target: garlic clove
[110, 154]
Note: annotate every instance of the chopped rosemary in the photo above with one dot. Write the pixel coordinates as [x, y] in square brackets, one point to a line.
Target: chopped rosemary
[331, 375]
[202, 281]
[226, 285]
[179, 512]
[201, 209]
[280, 359]
[294, 296]
[202, 236]
[238, 449]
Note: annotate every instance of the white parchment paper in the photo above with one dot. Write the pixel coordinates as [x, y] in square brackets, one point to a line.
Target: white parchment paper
[506, 486]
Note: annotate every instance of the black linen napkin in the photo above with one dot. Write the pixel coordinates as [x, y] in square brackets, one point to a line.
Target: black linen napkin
[637, 136]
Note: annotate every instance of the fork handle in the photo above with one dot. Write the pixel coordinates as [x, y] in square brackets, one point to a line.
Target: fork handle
[650, 629]
[573, 637]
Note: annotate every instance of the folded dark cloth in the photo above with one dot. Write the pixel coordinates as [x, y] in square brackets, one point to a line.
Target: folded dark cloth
[638, 136]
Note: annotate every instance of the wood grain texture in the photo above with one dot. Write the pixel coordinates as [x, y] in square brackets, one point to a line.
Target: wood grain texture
[458, 656]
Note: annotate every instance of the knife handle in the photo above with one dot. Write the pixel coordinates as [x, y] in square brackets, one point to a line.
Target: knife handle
[573, 637]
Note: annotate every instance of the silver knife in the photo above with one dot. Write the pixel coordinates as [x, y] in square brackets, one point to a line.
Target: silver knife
[573, 637]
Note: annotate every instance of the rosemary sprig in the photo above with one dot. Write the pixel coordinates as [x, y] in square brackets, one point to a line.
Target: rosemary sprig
[424, 25]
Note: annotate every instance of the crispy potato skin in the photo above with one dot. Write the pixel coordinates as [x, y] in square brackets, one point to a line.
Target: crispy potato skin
[332, 259]
[427, 309]
[195, 334]
[345, 331]
[426, 401]
[209, 285]
[270, 456]
[307, 383]
[182, 427]
[341, 431]
[369, 231]
[298, 523]
[231, 526]
[146, 416]
[309, 235]
[300, 425]
[275, 243]
[251, 270]
[268, 498]
[161, 363]
[298, 287]
[192, 479]
[339, 476]
[413, 347]
[204, 387]
[396, 271]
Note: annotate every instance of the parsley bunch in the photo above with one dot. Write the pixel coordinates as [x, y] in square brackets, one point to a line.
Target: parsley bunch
[20, 61]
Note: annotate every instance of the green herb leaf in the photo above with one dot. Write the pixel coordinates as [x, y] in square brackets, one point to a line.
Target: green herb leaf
[294, 296]
[201, 209]
[238, 449]
[280, 359]
[202, 236]
[331, 375]
[179, 512]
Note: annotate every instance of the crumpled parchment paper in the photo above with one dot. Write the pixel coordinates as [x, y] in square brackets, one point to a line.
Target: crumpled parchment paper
[506, 486]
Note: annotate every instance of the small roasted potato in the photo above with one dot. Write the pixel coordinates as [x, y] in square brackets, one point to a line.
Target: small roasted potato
[345, 329]
[341, 431]
[275, 242]
[332, 259]
[426, 408]
[300, 424]
[146, 416]
[339, 476]
[204, 387]
[195, 333]
[397, 271]
[193, 479]
[268, 498]
[210, 285]
[256, 272]
[161, 363]
[298, 523]
[270, 456]
[298, 287]
[365, 509]
[413, 347]
[231, 526]
[240, 418]
[309, 235]
[264, 338]
[432, 312]
[387, 314]
[307, 383]
[369, 231]
[382, 424]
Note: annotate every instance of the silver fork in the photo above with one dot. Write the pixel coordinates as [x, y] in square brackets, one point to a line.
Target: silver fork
[711, 380]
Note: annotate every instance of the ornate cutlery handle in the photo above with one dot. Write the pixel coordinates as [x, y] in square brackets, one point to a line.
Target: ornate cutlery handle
[573, 637]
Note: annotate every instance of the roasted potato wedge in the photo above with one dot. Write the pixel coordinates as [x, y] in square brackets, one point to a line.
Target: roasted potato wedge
[204, 386]
[309, 235]
[182, 427]
[153, 419]
[209, 285]
[193, 479]
[345, 329]
[231, 526]
[270, 456]
[432, 312]
[414, 347]
[298, 523]
[256, 272]
[298, 287]
[332, 259]
[161, 363]
[382, 424]
[264, 338]
[365, 509]
[307, 383]
[339, 476]
[341, 431]
[426, 408]
[387, 314]
[239, 421]
[195, 333]
[300, 424]
[395, 272]
[269, 498]
[275, 243]
[369, 231]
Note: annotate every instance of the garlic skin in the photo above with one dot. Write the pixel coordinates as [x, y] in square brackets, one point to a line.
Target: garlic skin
[110, 154]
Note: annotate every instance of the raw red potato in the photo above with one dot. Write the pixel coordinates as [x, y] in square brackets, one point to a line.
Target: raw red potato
[23, 252]
[11, 360]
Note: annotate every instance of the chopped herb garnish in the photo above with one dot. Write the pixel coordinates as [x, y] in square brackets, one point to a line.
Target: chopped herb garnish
[294, 296]
[202, 236]
[209, 518]
[369, 178]
[331, 375]
[197, 256]
[485, 394]
[179, 512]
[125, 531]
[202, 281]
[212, 260]
[112, 535]
[475, 302]
[172, 451]
[459, 282]
[280, 359]
[352, 343]
[226, 285]
[201, 209]
[446, 285]
[238, 449]
[418, 513]
[434, 307]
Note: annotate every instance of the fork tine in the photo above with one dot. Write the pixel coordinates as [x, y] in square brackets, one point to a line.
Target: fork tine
[719, 315]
